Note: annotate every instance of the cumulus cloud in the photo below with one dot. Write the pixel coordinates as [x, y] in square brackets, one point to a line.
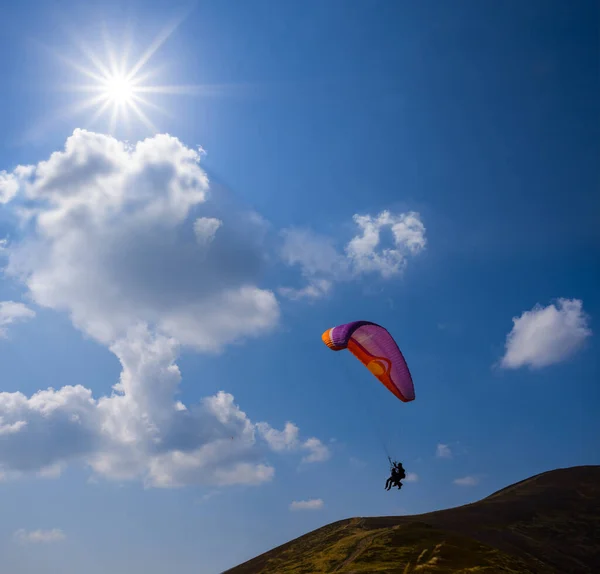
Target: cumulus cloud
[288, 440]
[546, 335]
[311, 504]
[466, 481]
[13, 312]
[121, 241]
[443, 451]
[108, 249]
[140, 431]
[9, 186]
[39, 536]
[322, 264]
[364, 250]
[411, 477]
[317, 451]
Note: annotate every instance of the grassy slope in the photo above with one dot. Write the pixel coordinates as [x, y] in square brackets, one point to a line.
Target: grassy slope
[549, 523]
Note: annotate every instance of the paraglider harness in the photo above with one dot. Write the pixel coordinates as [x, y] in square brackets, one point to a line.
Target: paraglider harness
[397, 474]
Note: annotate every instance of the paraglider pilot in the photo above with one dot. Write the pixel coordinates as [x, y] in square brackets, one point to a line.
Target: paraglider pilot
[397, 474]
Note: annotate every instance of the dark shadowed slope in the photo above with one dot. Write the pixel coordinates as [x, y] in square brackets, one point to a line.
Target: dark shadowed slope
[549, 523]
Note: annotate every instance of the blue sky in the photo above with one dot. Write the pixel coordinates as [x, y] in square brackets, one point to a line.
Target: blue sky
[428, 166]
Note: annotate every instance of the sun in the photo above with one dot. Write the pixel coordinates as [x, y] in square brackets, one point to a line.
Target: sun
[119, 90]
[119, 82]
[120, 87]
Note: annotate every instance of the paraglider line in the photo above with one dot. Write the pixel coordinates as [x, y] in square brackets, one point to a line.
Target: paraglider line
[367, 400]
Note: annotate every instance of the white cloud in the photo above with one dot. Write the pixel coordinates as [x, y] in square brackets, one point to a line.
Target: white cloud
[205, 229]
[109, 247]
[411, 477]
[467, 481]
[321, 264]
[314, 253]
[140, 431]
[11, 428]
[208, 496]
[287, 440]
[13, 312]
[40, 536]
[311, 504]
[408, 234]
[546, 335]
[9, 186]
[316, 289]
[319, 261]
[51, 471]
[443, 451]
[317, 451]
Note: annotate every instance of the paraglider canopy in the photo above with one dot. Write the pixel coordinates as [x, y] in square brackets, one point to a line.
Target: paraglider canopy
[376, 349]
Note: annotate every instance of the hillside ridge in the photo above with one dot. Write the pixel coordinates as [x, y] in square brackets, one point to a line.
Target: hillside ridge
[546, 523]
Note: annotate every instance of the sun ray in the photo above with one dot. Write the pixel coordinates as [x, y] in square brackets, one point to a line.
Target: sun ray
[96, 62]
[113, 119]
[118, 81]
[148, 104]
[202, 90]
[160, 39]
[91, 74]
[99, 112]
[143, 116]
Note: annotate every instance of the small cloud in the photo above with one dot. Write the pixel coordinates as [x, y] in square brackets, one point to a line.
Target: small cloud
[11, 312]
[311, 504]
[208, 496]
[205, 229]
[318, 452]
[288, 440]
[546, 335]
[411, 477]
[443, 451]
[322, 264]
[11, 428]
[52, 471]
[466, 481]
[316, 289]
[315, 254]
[39, 536]
[279, 440]
[365, 252]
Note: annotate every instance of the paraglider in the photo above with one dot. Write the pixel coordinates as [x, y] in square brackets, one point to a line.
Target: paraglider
[397, 474]
[375, 348]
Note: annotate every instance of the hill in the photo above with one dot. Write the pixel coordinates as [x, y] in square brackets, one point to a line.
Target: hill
[549, 523]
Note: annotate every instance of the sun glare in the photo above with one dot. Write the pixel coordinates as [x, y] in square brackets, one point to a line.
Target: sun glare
[120, 89]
